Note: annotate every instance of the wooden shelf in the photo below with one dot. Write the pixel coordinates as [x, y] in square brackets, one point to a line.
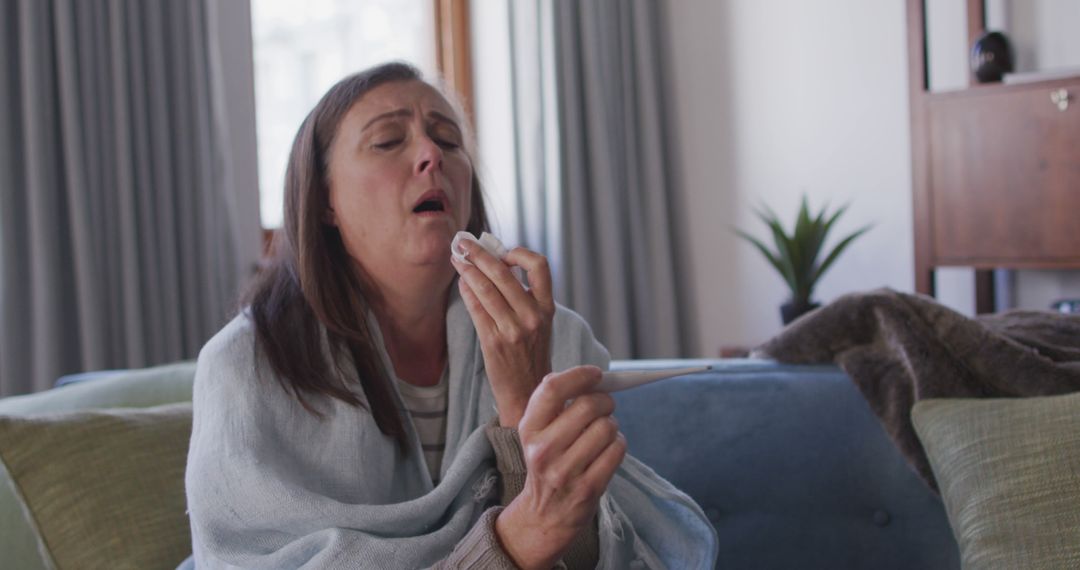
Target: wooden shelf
[991, 89]
[995, 171]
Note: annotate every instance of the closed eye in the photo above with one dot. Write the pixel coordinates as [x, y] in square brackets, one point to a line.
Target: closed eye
[387, 145]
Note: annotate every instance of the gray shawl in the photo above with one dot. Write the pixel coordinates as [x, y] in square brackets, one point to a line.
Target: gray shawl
[269, 485]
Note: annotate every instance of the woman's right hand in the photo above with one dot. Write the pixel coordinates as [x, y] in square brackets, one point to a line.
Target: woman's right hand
[571, 453]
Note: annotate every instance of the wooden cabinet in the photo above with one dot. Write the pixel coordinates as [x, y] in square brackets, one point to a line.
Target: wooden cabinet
[996, 171]
[1004, 177]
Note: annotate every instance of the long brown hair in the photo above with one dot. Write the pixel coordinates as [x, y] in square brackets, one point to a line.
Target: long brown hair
[311, 282]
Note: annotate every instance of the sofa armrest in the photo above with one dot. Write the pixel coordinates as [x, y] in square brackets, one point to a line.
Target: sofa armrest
[144, 387]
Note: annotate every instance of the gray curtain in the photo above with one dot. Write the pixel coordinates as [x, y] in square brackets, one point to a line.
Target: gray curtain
[118, 246]
[593, 179]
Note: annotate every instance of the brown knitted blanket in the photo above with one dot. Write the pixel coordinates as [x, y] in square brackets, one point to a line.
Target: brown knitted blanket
[899, 348]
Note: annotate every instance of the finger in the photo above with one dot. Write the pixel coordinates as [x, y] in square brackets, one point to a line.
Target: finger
[568, 427]
[562, 433]
[489, 295]
[538, 273]
[514, 293]
[485, 326]
[604, 466]
[587, 447]
[550, 397]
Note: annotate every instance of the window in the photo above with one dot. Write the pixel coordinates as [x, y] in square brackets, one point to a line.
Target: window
[302, 48]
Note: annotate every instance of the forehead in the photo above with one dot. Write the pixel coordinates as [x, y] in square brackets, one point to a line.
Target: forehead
[396, 95]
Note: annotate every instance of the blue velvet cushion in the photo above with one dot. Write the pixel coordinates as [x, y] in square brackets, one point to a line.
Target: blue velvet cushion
[791, 466]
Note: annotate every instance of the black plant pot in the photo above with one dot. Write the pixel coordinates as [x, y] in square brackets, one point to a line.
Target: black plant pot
[792, 310]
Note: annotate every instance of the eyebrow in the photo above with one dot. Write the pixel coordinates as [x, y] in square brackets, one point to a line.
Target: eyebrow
[408, 113]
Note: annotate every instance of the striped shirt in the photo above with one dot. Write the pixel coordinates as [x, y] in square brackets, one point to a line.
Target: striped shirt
[427, 406]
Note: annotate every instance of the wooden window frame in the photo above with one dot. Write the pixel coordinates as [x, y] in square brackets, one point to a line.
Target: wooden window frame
[453, 49]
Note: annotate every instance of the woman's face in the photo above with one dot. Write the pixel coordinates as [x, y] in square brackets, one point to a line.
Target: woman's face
[400, 179]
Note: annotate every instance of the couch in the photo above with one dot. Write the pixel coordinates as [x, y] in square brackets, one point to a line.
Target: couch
[788, 462]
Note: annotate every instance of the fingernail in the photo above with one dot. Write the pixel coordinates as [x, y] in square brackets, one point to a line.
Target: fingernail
[462, 252]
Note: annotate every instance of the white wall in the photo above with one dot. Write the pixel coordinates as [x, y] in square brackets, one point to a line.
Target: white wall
[770, 99]
[1042, 32]
[947, 49]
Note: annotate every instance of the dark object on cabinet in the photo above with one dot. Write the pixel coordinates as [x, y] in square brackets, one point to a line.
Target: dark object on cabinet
[991, 57]
[996, 171]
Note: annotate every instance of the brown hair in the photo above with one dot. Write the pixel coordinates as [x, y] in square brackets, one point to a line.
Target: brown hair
[311, 280]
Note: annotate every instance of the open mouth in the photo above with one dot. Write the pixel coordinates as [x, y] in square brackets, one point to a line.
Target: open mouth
[432, 201]
[429, 206]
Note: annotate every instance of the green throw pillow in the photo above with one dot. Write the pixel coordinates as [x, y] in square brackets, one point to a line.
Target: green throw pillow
[103, 488]
[1009, 473]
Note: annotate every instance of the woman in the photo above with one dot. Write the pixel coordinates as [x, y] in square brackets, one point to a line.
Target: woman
[368, 411]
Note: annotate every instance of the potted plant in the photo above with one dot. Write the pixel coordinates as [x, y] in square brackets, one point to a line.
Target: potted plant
[798, 256]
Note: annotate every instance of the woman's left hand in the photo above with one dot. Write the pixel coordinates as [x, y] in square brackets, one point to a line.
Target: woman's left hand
[512, 321]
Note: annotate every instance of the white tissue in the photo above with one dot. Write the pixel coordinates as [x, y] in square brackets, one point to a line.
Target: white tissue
[486, 241]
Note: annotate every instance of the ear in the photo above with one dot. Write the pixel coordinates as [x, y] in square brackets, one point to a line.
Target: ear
[330, 217]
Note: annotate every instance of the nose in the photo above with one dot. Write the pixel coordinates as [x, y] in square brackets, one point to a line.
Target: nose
[430, 156]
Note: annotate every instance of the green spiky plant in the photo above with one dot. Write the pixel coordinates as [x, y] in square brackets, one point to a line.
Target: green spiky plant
[798, 256]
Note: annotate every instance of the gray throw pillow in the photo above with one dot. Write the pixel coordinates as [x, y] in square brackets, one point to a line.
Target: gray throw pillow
[102, 488]
[1009, 473]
